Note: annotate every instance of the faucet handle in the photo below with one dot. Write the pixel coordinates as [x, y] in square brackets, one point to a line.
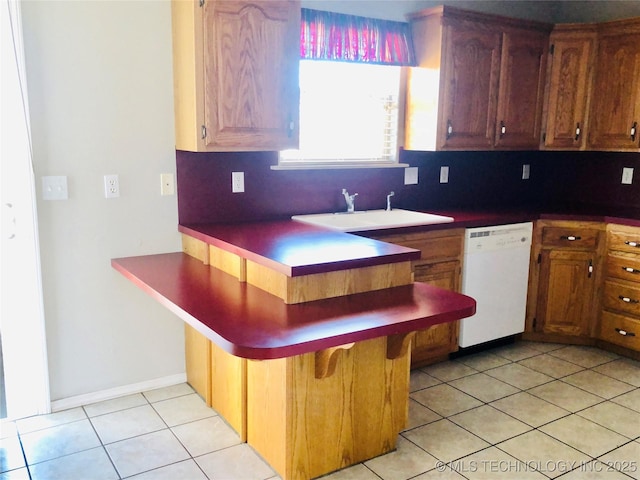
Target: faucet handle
[350, 200]
[391, 194]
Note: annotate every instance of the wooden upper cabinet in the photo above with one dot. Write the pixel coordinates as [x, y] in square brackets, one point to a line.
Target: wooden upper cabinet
[236, 74]
[615, 109]
[521, 93]
[470, 87]
[569, 78]
[479, 83]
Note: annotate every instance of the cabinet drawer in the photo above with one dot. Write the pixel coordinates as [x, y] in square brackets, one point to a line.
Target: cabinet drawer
[624, 241]
[620, 330]
[432, 246]
[573, 238]
[622, 297]
[626, 268]
[442, 274]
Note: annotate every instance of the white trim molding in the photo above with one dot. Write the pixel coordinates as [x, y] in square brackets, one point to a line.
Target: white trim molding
[88, 398]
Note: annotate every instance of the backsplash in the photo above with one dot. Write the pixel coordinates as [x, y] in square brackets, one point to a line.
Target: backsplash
[477, 180]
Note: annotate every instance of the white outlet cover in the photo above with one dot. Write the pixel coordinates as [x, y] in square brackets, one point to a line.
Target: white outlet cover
[55, 188]
[444, 174]
[526, 170]
[167, 184]
[237, 182]
[411, 176]
[111, 186]
[627, 175]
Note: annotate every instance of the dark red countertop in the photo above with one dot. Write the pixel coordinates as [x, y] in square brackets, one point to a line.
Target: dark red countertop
[296, 248]
[251, 323]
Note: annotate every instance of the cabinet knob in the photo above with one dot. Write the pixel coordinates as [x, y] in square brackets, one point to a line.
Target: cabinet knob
[624, 333]
[634, 129]
[627, 299]
[449, 129]
[570, 238]
[578, 131]
[632, 244]
[503, 128]
[631, 270]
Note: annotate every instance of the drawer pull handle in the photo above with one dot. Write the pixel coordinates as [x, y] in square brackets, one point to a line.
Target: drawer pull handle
[571, 238]
[624, 333]
[628, 300]
[632, 244]
[631, 270]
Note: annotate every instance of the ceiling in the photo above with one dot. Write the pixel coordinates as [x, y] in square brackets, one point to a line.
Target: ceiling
[556, 11]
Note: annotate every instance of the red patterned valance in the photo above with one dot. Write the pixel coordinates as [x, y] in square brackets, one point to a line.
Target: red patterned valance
[339, 37]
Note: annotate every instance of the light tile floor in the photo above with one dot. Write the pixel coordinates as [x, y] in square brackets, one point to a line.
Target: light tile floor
[528, 410]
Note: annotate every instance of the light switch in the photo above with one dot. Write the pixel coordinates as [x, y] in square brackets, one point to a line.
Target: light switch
[55, 188]
[411, 176]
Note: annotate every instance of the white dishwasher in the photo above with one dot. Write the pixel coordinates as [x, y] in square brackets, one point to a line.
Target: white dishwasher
[495, 272]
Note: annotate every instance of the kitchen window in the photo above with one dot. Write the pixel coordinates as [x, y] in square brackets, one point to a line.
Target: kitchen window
[351, 91]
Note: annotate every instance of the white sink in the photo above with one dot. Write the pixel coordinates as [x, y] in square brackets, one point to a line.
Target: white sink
[372, 219]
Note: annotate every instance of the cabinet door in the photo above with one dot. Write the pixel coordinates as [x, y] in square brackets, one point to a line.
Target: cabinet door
[251, 58]
[521, 94]
[470, 87]
[565, 292]
[436, 342]
[568, 83]
[615, 109]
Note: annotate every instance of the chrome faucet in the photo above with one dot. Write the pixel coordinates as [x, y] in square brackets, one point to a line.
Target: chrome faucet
[391, 194]
[350, 199]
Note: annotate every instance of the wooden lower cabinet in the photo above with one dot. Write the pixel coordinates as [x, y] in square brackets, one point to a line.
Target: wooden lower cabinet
[301, 434]
[565, 292]
[565, 279]
[620, 316]
[437, 342]
[439, 265]
[218, 377]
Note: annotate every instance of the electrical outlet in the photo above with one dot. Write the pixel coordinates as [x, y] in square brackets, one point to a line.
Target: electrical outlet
[237, 182]
[411, 176]
[526, 170]
[627, 175]
[111, 186]
[444, 174]
[167, 184]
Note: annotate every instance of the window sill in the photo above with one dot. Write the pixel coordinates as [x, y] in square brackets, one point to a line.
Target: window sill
[336, 166]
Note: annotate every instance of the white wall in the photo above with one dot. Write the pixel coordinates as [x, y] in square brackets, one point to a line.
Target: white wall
[100, 86]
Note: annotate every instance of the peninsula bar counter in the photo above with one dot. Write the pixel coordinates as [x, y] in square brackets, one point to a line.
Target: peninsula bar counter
[312, 386]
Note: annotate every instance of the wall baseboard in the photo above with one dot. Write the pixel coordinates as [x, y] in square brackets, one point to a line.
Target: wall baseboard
[86, 399]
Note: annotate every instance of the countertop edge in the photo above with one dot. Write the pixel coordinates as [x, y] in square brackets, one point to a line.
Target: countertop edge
[278, 333]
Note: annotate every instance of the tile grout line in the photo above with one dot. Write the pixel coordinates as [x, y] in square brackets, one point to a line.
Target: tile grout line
[569, 413]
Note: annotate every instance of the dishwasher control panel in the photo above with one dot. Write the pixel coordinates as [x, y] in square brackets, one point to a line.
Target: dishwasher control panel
[499, 237]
